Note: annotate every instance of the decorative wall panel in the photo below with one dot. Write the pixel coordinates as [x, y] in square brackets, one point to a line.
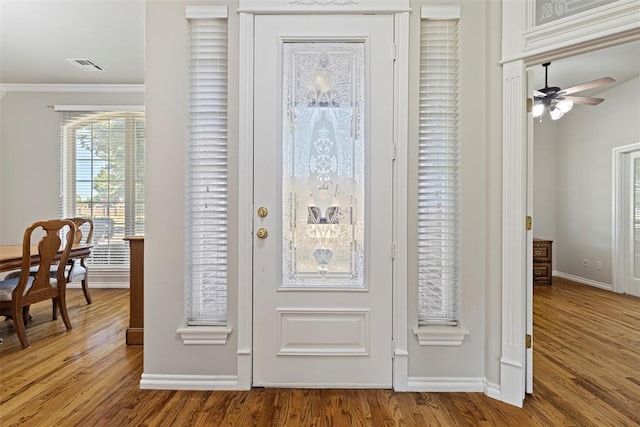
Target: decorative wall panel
[317, 332]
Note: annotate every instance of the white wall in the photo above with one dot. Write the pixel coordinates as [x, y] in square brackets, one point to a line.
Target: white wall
[584, 139]
[492, 248]
[480, 202]
[34, 190]
[164, 244]
[30, 154]
[165, 88]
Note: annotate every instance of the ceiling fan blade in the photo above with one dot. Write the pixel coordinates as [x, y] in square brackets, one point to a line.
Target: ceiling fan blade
[588, 85]
[538, 93]
[584, 100]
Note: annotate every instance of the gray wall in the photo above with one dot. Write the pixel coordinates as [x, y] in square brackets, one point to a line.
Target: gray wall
[30, 154]
[166, 97]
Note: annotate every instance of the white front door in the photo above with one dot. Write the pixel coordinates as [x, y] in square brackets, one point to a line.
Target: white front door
[323, 163]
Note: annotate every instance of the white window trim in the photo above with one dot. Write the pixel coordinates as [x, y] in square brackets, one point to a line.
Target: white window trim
[196, 334]
[203, 335]
[98, 108]
[440, 12]
[111, 276]
[205, 12]
[440, 335]
[433, 335]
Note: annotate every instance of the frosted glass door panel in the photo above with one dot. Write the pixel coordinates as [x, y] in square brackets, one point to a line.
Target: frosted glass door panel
[323, 165]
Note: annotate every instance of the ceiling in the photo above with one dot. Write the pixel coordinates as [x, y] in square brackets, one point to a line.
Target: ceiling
[621, 62]
[37, 36]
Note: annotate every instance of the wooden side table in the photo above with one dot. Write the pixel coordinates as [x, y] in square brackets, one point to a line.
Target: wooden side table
[135, 331]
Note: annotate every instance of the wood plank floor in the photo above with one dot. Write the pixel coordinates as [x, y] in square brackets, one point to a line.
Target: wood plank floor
[586, 369]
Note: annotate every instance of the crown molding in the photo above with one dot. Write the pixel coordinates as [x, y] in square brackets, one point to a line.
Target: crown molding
[124, 88]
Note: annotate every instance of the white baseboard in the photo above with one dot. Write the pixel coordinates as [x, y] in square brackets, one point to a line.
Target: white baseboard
[189, 382]
[230, 382]
[491, 389]
[578, 279]
[446, 384]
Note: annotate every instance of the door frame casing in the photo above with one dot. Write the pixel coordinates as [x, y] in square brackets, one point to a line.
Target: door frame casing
[309, 333]
[247, 11]
[621, 215]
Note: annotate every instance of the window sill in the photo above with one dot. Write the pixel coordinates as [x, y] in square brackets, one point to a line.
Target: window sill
[440, 335]
[204, 335]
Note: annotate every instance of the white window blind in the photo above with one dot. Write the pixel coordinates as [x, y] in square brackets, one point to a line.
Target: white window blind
[438, 174]
[207, 171]
[102, 177]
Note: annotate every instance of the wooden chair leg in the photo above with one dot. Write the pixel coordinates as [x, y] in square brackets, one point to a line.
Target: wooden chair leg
[54, 308]
[26, 317]
[62, 305]
[85, 288]
[19, 325]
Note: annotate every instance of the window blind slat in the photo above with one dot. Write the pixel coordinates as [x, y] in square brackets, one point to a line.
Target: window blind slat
[438, 175]
[207, 173]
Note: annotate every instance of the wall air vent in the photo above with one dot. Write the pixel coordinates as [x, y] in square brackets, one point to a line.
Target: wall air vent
[86, 64]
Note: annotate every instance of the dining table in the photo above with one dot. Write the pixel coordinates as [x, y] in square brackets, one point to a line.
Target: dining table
[11, 255]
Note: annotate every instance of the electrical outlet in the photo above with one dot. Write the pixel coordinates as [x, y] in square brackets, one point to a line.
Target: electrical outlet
[585, 263]
[598, 265]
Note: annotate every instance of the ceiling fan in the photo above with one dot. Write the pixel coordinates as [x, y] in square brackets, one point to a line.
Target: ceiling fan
[557, 101]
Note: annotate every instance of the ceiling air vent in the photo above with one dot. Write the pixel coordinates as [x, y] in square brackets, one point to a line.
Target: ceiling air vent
[86, 64]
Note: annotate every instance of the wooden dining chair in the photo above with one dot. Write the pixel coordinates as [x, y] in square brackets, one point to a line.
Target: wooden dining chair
[76, 269]
[17, 294]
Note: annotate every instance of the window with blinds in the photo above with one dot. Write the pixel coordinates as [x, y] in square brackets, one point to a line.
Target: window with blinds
[103, 179]
[207, 171]
[438, 173]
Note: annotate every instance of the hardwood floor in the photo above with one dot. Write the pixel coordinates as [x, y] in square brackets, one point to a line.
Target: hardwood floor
[586, 369]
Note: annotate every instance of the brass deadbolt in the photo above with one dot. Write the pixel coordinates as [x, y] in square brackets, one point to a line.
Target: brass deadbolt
[262, 211]
[262, 233]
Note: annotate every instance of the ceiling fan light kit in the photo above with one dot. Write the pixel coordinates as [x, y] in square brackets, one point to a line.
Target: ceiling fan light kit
[555, 113]
[557, 101]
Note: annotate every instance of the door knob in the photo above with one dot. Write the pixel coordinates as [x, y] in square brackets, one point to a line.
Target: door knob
[262, 233]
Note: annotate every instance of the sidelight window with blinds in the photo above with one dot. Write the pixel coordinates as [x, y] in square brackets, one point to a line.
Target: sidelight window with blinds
[102, 177]
[207, 168]
[439, 169]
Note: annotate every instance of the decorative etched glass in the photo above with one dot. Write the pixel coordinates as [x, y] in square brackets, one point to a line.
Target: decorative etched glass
[323, 165]
[551, 10]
